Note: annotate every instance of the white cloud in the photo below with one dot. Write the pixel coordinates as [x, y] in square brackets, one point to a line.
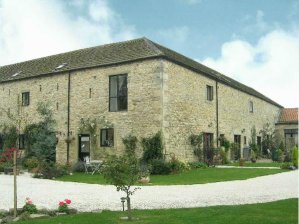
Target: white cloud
[271, 66]
[34, 28]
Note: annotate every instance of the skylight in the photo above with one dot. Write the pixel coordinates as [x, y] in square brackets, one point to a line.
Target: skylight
[16, 74]
[60, 66]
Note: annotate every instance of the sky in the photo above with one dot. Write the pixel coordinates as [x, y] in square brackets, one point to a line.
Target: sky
[255, 42]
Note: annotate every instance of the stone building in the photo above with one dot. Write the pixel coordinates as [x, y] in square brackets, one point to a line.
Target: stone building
[137, 87]
[287, 127]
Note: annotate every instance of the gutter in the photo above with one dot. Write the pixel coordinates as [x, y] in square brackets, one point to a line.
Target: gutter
[217, 115]
[68, 119]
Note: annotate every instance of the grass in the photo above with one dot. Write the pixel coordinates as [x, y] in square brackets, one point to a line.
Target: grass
[196, 176]
[250, 164]
[285, 211]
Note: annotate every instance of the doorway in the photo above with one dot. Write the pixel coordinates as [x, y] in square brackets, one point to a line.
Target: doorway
[208, 148]
[84, 146]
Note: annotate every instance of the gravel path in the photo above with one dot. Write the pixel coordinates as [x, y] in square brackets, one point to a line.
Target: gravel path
[88, 197]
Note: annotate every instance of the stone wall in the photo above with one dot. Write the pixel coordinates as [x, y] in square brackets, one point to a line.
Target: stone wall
[186, 110]
[161, 96]
[143, 117]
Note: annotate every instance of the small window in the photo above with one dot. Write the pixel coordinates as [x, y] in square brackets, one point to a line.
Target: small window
[209, 93]
[107, 137]
[22, 141]
[118, 93]
[25, 98]
[251, 107]
[245, 140]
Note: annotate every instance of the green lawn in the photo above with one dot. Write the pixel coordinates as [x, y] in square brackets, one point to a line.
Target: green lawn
[285, 211]
[196, 176]
[250, 164]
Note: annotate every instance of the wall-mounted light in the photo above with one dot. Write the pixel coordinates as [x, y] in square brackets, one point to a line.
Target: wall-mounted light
[243, 130]
[210, 125]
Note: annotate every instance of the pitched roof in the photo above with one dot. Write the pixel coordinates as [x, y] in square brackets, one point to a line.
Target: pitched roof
[110, 54]
[288, 115]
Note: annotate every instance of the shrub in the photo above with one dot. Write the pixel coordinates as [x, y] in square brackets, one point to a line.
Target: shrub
[7, 155]
[29, 207]
[196, 165]
[295, 156]
[223, 156]
[31, 163]
[50, 170]
[78, 167]
[130, 143]
[152, 148]
[253, 156]
[177, 166]
[160, 167]
[196, 142]
[277, 155]
[286, 165]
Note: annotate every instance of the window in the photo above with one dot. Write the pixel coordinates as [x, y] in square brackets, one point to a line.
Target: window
[118, 93]
[250, 106]
[107, 137]
[209, 93]
[245, 140]
[25, 98]
[22, 141]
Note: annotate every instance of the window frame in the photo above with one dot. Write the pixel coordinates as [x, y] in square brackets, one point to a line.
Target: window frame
[209, 93]
[117, 93]
[251, 106]
[107, 133]
[24, 96]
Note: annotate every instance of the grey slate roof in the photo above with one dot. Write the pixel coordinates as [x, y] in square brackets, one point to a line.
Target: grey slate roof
[110, 54]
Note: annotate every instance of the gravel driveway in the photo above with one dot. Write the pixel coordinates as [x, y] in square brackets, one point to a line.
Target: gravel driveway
[88, 197]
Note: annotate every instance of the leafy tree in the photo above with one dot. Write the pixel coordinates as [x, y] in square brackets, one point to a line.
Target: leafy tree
[41, 138]
[123, 172]
[268, 138]
[10, 136]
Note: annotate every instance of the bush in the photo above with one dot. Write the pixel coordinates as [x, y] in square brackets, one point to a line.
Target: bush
[223, 156]
[295, 156]
[160, 167]
[31, 163]
[152, 148]
[196, 165]
[78, 167]
[286, 165]
[177, 166]
[48, 170]
[277, 155]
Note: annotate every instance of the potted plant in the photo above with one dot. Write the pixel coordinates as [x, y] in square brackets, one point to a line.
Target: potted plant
[253, 157]
[242, 162]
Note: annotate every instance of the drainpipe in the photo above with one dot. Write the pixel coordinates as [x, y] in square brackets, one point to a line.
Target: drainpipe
[68, 119]
[217, 115]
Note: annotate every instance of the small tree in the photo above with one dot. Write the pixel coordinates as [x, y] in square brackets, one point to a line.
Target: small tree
[123, 172]
[196, 142]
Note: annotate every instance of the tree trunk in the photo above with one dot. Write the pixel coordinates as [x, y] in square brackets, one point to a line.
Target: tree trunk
[129, 207]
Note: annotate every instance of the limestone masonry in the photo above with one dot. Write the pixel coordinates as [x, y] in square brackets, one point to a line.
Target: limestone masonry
[136, 87]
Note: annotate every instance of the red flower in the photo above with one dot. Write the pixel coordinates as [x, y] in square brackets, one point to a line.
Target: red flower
[68, 201]
[61, 203]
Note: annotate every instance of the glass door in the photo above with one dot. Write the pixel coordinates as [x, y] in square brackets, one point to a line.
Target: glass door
[84, 146]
